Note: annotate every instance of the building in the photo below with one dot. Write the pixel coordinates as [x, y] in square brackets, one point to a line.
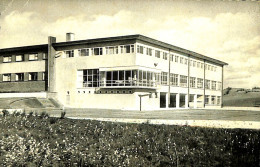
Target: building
[126, 72]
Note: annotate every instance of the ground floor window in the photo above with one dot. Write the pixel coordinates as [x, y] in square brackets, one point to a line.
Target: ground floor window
[6, 77]
[33, 76]
[91, 78]
[19, 77]
[206, 99]
[218, 100]
[213, 99]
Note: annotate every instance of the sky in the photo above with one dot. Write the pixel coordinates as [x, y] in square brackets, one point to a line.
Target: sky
[224, 30]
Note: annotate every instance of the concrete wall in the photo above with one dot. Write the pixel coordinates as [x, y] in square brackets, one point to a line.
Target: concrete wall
[26, 86]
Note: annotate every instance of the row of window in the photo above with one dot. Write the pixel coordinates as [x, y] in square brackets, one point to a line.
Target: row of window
[173, 58]
[32, 76]
[108, 92]
[212, 100]
[99, 50]
[96, 78]
[20, 58]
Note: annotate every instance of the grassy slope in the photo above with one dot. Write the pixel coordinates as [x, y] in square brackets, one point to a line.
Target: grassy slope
[64, 142]
[241, 99]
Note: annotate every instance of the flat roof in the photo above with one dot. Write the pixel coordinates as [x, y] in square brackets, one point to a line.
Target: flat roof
[137, 37]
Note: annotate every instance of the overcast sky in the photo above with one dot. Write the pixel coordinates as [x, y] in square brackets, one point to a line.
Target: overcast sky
[228, 31]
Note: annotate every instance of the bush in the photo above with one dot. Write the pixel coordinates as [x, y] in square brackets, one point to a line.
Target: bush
[30, 114]
[44, 114]
[53, 120]
[23, 114]
[62, 114]
[5, 112]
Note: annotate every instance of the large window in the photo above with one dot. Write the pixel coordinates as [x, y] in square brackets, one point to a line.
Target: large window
[7, 59]
[183, 81]
[165, 56]
[149, 51]
[213, 86]
[140, 49]
[199, 82]
[164, 78]
[127, 49]
[19, 77]
[97, 51]
[33, 76]
[111, 50]
[207, 86]
[33, 56]
[91, 78]
[174, 79]
[192, 82]
[6, 77]
[84, 52]
[157, 53]
[19, 58]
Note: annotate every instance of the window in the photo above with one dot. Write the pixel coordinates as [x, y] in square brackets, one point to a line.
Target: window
[212, 68]
[149, 51]
[91, 78]
[186, 61]
[215, 69]
[207, 99]
[213, 99]
[6, 77]
[213, 86]
[174, 79]
[207, 86]
[83, 52]
[44, 56]
[219, 85]
[33, 76]
[157, 54]
[19, 58]
[199, 82]
[201, 65]
[33, 56]
[183, 81]
[192, 82]
[176, 59]
[7, 59]
[181, 60]
[194, 63]
[171, 57]
[218, 100]
[164, 78]
[97, 51]
[165, 56]
[127, 49]
[19, 77]
[190, 62]
[198, 64]
[140, 49]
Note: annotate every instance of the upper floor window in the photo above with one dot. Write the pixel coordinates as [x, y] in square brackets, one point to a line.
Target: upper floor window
[165, 56]
[192, 82]
[140, 49]
[164, 78]
[70, 53]
[19, 58]
[149, 51]
[19, 77]
[33, 76]
[199, 82]
[176, 59]
[181, 60]
[213, 85]
[157, 54]
[171, 57]
[194, 63]
[183, 81]
[191, 62]
[128, 49]
[198, 64]
[201, 65]
[7, 59]
[207, 84]
[112, 50]
[97, 51]
[84, 52]
[6, 77]
[174, 79]
[33, 56]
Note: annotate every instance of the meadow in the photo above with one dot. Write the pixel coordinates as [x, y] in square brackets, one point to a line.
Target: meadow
[40, 140]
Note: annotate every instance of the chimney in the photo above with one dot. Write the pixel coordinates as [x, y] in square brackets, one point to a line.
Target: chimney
[70, 36]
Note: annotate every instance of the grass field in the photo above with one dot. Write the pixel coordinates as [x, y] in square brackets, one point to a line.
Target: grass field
[42, 141]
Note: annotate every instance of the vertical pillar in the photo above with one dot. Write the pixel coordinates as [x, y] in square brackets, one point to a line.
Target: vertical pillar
[177, 100]
[188, 81]
[204, 83]
[169, 83]
[51, 65]
[186, 101]
[167, 100]
[195, 101]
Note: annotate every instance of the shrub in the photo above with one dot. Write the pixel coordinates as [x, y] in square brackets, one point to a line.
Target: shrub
[62, 114]
[30, 114]
[36, 114]
[23, 114]
[5, 112]
[16, 113]
[44, 115]
[53, 120]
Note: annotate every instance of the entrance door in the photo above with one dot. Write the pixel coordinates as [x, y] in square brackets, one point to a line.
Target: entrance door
[182, 100]
[162, 100]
